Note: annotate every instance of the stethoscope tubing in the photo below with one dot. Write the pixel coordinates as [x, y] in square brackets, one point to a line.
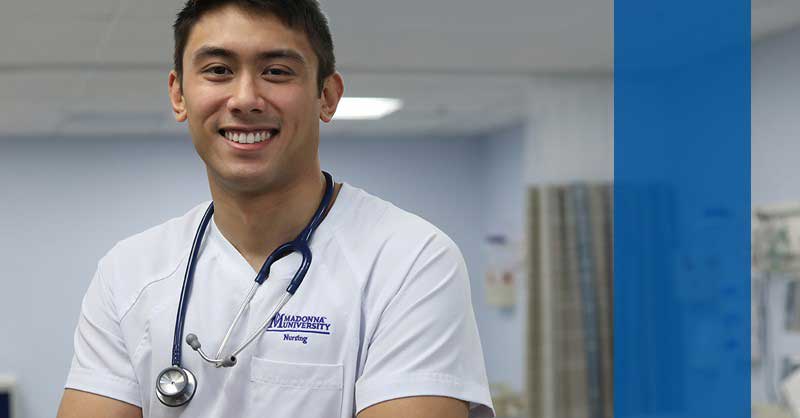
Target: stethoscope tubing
[238, 316]
[187, 286]
[299, 244]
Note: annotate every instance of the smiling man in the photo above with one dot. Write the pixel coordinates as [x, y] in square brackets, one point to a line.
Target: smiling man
[372, 319]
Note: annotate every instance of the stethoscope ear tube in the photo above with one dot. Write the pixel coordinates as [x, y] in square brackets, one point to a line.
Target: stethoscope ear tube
[303, 249]
[175, 385]
[187, 285]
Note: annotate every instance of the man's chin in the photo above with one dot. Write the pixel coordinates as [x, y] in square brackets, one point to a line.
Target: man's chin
[244, 182]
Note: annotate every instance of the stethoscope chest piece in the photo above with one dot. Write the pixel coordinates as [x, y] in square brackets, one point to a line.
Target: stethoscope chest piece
[175, 386]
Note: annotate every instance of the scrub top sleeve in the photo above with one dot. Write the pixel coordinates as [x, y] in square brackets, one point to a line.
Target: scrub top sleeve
[101, 364]
[426, 342]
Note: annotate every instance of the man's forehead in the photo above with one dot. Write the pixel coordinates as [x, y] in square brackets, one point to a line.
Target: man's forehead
[246, 33]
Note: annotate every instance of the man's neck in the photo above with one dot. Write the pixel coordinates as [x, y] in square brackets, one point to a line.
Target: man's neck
[257, 224]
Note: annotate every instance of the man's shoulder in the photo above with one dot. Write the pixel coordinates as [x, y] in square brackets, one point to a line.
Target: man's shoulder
[389, 249]
[374, 224]
[155, 252]
[375, 217]
[164, 237]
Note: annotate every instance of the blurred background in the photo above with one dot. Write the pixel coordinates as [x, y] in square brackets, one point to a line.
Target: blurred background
[775, 195]
[504, 140]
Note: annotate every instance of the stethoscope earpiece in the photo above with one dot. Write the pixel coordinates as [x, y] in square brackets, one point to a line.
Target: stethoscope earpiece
[175, 386]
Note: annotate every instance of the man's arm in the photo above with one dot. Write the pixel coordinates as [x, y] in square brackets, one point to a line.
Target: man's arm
[77, 404]
[418, 407]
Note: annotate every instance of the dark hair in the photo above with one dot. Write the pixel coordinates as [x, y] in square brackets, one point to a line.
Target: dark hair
[303, 14]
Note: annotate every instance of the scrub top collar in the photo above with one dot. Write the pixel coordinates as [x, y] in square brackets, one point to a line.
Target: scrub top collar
[286, 266]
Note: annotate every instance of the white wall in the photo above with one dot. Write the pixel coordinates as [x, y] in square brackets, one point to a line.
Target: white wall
[570, 130]
[66, 201]
[775, 118]
[775, 170]
[503, 330]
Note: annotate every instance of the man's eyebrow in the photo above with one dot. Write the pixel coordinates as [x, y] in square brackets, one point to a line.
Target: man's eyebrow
[281, 53]
[206, 52]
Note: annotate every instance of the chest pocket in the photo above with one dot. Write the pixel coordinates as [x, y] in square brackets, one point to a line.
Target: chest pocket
[290, 390]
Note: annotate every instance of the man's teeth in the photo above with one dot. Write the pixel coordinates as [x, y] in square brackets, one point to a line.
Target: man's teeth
[248, 137]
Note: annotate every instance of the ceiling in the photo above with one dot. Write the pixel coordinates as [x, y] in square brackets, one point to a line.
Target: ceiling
[99, 66]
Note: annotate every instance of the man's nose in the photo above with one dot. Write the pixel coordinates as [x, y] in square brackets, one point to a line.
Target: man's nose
[246, 98]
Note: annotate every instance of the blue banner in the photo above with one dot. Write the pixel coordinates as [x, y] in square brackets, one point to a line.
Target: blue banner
[682, 209]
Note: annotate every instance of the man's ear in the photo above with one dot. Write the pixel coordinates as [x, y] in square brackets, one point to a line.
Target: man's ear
[332, 92]
[176, 97]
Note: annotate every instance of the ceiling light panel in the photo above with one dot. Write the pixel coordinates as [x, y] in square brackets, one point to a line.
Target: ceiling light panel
[366, 108]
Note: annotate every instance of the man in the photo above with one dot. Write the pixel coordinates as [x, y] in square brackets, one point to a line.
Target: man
[382, 325]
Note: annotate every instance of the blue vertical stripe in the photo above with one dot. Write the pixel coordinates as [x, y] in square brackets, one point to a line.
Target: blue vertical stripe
[682, 209]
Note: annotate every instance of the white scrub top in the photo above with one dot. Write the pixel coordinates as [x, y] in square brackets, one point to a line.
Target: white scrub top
[384, 312]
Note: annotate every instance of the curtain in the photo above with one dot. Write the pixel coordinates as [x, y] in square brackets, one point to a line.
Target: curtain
[570, 336]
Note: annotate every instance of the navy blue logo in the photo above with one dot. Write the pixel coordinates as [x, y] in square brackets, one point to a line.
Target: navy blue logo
[294, 325]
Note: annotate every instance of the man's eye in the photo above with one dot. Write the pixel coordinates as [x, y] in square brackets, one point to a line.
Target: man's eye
[279, 72]
[217, 70]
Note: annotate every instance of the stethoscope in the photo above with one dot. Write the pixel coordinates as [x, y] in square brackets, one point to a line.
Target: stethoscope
[176, 385]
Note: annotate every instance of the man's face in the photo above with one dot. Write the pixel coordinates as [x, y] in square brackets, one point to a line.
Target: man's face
[251, 99]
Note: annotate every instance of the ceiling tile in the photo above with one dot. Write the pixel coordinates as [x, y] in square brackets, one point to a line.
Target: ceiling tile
[58, 11]
[139, 42]
[151, 10]
[773, 16]
[37, 42]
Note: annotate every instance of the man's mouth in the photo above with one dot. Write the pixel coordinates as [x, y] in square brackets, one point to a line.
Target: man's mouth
[248, 137]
